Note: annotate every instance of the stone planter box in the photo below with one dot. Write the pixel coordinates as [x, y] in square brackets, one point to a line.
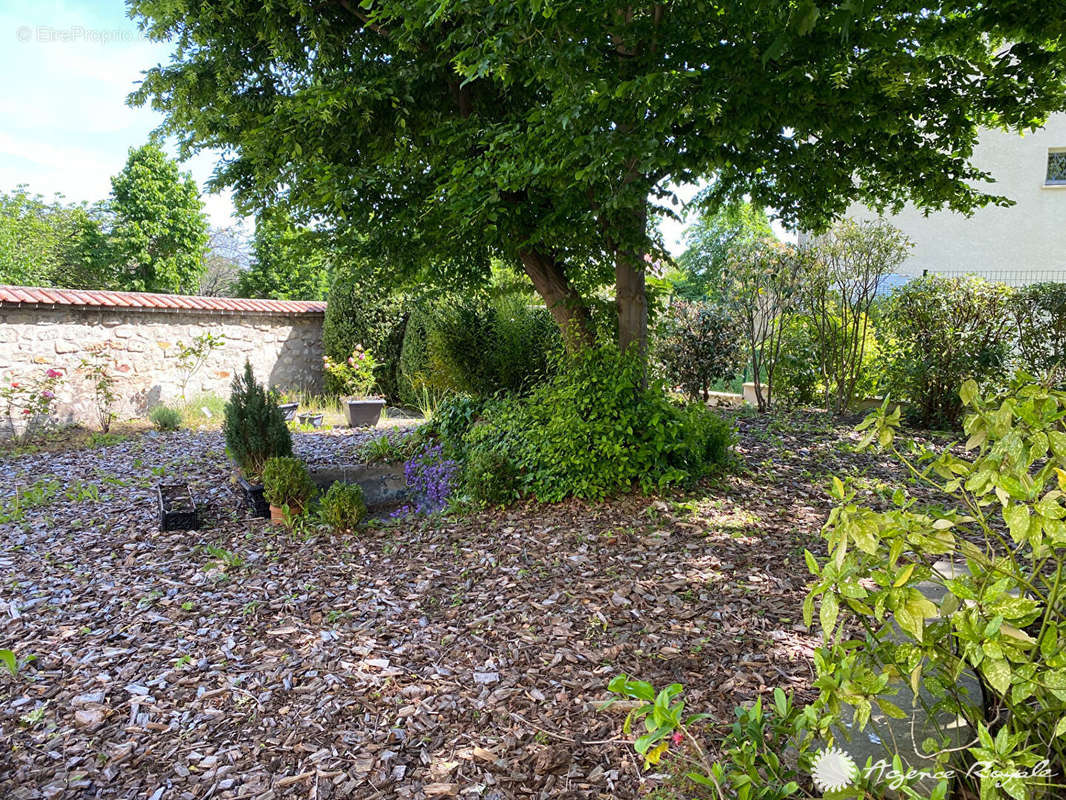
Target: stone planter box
[382, 484]
[253, 497]
[314, 420]
[364, 412]
[288, 410]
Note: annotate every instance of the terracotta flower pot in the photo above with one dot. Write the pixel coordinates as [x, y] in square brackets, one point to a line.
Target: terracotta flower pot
[277, 516]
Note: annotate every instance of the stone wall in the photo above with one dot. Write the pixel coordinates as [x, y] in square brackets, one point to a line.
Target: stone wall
[285, 351]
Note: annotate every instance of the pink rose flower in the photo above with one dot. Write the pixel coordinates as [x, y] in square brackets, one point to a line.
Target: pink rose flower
[53, 373]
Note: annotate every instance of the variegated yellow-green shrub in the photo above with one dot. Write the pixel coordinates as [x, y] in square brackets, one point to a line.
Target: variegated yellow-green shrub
[997, 518]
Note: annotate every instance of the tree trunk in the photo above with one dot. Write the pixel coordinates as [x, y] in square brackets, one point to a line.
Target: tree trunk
[632, 302]
[630, 292]
[569, 311]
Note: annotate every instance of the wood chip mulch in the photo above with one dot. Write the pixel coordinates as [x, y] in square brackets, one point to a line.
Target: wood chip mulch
[424, 658]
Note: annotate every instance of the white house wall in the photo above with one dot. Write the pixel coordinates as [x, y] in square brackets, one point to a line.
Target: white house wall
[1023, 243]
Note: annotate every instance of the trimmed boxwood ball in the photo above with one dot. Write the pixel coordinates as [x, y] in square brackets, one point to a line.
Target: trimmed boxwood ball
[286, 481]
[342, 507]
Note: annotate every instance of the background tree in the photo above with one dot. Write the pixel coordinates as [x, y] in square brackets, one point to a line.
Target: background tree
[442, 133]
[288, 262]
[43, 243]
[765, 278]
[710, 240]
[847, 271]
[226, 257]
[158, 230]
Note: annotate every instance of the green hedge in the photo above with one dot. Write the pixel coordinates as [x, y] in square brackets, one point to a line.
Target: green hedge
[478, 347]
[938, 332]
[364, 311]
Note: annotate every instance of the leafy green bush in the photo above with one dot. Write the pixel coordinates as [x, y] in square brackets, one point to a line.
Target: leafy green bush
[482, 347]
[596, 428]
[797, 377]
[391, 446]
[490, 477]
[453, 417]
[165, 418]
[1040, 320]
[253, 426]
[342, 507]
[849, 265]
[751, 759]
[997, 514]
[937, 332]
[697, 345]
[363, 311]
[286, 482]
[807, 366]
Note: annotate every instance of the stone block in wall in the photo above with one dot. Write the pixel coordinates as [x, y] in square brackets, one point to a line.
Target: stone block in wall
[64, 346]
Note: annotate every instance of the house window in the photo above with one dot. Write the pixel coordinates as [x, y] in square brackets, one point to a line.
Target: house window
[1056, 168]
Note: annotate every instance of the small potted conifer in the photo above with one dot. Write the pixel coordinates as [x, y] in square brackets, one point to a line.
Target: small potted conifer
[255, 431]
[355, 379]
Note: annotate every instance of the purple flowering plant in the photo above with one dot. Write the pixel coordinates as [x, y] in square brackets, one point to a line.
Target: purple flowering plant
[431, 479]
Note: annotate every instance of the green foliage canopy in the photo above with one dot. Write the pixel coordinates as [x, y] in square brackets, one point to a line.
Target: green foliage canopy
[547, 132]
[290, 262]
[710, 241]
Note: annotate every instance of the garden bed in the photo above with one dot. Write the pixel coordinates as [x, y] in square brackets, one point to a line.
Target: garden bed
[419, 659]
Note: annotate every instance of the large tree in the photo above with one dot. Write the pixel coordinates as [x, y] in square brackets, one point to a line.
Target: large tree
[546, 132]
[158, 231]
[711, 240]
[289, 262]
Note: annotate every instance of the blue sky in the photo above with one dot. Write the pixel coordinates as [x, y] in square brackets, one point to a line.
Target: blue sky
[64, 123]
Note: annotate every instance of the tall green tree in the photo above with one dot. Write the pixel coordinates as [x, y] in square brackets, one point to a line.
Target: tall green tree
[547, 132]
[158, 231]
[288, 262]
[710, 240]
[45, 243]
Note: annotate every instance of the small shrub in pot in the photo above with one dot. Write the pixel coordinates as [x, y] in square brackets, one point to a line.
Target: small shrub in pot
[286, 482]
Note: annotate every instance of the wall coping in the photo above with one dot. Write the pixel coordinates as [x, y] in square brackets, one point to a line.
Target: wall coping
[48, 298]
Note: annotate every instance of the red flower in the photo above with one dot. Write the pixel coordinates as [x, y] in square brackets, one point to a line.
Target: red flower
[678, 737]
[54, 373]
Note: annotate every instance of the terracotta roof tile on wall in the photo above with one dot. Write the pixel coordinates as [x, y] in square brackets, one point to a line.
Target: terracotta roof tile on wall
[34, 296]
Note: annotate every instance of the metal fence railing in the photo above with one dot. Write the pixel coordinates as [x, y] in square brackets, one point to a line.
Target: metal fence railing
[1011, 277]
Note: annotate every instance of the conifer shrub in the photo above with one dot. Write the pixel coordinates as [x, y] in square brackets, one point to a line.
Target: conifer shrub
[253, 425]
